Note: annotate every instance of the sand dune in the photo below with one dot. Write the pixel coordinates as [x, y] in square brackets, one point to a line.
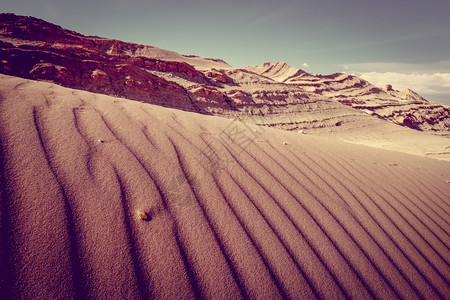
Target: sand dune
[237, 211]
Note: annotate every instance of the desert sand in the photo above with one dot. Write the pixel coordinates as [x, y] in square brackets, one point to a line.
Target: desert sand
[232, 210]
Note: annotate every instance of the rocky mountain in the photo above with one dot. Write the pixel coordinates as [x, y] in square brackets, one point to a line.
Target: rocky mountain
[404, 108]
[275, 95]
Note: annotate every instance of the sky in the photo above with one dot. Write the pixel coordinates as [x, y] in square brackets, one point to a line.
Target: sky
[405, 43]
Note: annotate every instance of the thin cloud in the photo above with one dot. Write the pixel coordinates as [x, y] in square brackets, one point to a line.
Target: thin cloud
[267, 14]
[435, 87]
[442, 66]
[431, 80]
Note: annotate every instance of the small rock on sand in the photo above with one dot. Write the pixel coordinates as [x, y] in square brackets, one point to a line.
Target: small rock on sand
[144, 216]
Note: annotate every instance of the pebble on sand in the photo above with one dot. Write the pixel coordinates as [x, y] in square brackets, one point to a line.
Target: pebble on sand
[144, 216]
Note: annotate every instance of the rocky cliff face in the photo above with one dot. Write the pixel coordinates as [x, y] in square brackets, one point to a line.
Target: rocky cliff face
[271, 94]
[406, 108]
[35, 49]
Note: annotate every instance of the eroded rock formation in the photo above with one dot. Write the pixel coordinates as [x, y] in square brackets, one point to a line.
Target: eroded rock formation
[277, 94]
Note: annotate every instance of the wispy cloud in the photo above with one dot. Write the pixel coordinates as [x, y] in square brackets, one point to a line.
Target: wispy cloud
[435, 87]
[264, 15]
[428, 83]
[431, 80]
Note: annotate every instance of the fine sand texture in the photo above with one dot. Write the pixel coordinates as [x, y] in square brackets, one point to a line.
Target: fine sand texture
[106, 198]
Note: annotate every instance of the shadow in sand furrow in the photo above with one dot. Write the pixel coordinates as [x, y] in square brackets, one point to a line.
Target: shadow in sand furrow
[260, 249]
[142, 278]
[150, 121]
[144, 289]
[318, 200]
[6, 230]
[320, 228]
[401, 174]
[147, 136]
[369, 196]
[429, 235]
[89, 154]
[318, 292]
[129, 149]
[431, 198]
[192, 276]
[109, 236]
[366, 221]
[396, 233]
[432, 187]
[238, 279]
[80, 283]
[195, 281]
[440, 198]
[429, 238]
[365, 247]
[335, 218]
[282, 241]
[144, 128]
[429, 192]
[183, 249]
[405, 208]
[412, 208]
[277, 234]
[306, 181]
[394, 208]
[419, 214]
[211, 226]
[138, 123]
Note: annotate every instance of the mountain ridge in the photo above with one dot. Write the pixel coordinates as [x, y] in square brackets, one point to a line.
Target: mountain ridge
[277, 95]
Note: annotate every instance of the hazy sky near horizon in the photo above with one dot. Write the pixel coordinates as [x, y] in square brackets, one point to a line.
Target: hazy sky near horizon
[402, 42]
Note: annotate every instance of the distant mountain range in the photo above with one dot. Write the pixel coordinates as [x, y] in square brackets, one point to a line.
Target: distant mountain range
[275, 95]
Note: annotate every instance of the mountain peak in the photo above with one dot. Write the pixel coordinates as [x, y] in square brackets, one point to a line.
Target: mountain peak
[277, 64]
[279, 71]
[410, 95]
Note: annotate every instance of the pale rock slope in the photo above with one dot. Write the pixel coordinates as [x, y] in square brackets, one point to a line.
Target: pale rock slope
[279, 71]
[234, 211]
